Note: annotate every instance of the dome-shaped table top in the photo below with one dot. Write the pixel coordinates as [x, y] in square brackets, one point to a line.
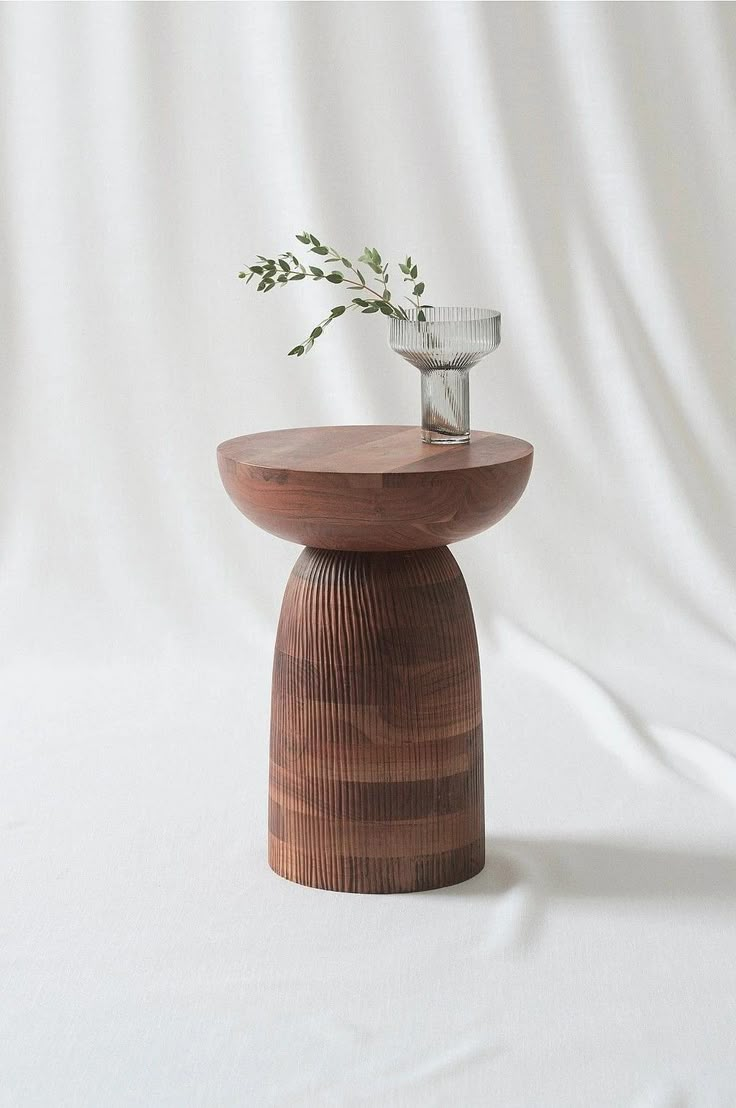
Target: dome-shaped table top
[373, 487]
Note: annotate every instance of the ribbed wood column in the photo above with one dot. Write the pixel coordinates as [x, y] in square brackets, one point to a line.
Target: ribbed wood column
[376, 779]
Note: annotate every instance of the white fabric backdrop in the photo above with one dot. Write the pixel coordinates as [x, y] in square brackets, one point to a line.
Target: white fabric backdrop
[573, 165]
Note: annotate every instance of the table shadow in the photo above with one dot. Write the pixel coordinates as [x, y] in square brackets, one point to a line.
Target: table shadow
[572, 868]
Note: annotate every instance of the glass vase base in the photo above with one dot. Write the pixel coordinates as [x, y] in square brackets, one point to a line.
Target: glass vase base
[444, 438]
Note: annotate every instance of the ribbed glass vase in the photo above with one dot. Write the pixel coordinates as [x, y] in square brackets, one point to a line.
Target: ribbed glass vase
[444, 347]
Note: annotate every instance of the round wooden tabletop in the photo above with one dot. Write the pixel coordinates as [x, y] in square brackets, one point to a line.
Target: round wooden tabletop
[373, 487]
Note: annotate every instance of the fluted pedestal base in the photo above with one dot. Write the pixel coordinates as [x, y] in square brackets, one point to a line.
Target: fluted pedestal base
[376, 781]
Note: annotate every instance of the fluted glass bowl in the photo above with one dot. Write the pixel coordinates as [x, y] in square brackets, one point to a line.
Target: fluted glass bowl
[444, 347]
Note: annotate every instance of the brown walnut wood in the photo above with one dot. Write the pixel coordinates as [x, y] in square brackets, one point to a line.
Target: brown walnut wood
[376, 780]
[373, 488]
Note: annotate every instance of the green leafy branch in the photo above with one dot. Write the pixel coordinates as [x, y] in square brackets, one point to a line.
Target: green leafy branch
[375, 294]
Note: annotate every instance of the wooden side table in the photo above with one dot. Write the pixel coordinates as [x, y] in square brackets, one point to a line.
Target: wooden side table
[376, 772]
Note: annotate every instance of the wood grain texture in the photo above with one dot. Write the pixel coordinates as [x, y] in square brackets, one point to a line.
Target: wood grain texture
[376, 773]
[373, 488]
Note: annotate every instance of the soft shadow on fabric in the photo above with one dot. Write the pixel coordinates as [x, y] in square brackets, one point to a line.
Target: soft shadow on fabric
[578, 868]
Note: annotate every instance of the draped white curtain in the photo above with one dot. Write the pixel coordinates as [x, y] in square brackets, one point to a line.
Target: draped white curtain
[574, 166]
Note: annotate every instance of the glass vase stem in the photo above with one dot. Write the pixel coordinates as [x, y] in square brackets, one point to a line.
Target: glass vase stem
[445, 406]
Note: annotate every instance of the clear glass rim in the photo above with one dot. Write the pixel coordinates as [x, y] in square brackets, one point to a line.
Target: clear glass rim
[449, 314]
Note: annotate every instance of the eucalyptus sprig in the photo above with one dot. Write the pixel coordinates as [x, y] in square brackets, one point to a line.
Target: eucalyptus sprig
[375, 294]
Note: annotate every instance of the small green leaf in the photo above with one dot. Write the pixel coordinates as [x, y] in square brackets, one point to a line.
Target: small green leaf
[385, 308]
[346, 263]
[284, 265]
[413, 272]
[335, 278]
[403, 268]
[316, 333]
[314, 241]
[303, 238]
[316, 271]
[419, 289]
[360, 302]
[283, 279]
[361, 278]
[339, 310]
[241, 275]
[421, 317]
[298, 276]
[297, 350]
[386, 294]
[370, 309]
[320, 250]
